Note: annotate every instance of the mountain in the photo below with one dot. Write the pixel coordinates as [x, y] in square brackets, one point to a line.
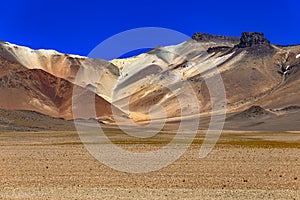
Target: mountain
[251, 68]
[37, 90]
[61, 65]
[254, 72]
[43, 81]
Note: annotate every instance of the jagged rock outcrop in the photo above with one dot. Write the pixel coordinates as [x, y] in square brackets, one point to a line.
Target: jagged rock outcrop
[205, 37]
[250, 39]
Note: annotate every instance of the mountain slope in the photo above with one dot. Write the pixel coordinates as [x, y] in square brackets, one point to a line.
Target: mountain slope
[20, 120]
[39, 91]
[95, 74]
[254, 72]
[251, 69]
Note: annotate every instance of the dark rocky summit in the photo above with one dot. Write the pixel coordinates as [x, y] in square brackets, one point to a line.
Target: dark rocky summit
[250, 39]
[205, 37]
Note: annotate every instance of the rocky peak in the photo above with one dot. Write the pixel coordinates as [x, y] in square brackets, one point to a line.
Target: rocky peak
[250, 39]
[205, 37]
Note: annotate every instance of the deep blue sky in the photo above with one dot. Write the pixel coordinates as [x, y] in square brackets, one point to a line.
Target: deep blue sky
[78, 26]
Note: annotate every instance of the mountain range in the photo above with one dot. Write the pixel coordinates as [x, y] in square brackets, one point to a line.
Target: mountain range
[261, 82]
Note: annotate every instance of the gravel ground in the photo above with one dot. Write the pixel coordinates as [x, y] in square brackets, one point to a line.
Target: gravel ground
[143, 193]
[55, 165]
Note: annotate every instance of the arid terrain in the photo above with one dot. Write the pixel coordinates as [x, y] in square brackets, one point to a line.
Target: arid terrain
[243, 165]
[43, 92]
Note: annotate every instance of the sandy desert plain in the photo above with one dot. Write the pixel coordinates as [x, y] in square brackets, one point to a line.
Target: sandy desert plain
[243, 165]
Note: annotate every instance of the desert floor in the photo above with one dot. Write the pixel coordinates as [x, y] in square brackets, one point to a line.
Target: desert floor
[243, 165]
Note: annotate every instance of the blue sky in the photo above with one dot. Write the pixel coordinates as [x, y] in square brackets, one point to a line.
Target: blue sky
[78, 26]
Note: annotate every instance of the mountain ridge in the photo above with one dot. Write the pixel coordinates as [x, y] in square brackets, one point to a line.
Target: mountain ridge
[251, 67]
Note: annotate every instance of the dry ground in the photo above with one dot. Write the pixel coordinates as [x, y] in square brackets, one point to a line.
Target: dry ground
[243, 165]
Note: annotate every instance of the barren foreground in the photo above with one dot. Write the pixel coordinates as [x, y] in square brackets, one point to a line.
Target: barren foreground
[243, 165]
